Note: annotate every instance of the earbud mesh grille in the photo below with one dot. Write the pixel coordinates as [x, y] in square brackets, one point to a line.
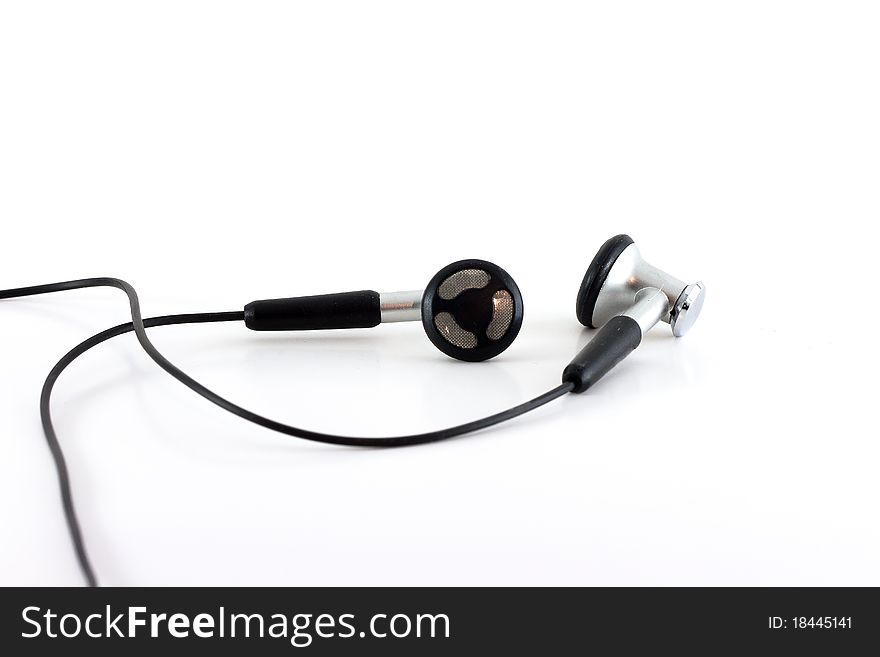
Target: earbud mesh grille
[453, 333]
[466, 279]
[446, 322]
[502, 316]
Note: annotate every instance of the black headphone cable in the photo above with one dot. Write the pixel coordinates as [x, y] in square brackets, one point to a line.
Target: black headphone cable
[139, 325]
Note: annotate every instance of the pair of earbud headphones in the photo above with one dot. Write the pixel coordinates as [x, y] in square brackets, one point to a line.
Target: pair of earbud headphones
[471, 310]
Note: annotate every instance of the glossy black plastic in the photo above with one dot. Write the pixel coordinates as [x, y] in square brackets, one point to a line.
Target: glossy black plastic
[613, 342]
[359, 309]
[595, 277]
[473, 311]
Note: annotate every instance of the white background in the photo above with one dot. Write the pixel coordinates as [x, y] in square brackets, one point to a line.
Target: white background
[212, 153]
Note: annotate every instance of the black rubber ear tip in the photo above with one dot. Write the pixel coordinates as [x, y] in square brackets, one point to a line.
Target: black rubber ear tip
[595, 277]
[473, 310]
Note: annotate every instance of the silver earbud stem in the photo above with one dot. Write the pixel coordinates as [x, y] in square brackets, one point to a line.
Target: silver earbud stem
[626, 285]
[401, 306]
[650, 307]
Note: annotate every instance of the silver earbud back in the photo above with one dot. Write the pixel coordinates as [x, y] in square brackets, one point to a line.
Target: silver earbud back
[618, 276]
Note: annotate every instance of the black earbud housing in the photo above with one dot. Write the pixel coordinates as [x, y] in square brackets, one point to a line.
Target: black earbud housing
[472, 310]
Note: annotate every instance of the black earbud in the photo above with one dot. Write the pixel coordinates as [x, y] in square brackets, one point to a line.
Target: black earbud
[471, 310]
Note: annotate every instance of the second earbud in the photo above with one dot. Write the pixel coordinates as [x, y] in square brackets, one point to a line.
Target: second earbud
[471, 310]
[624, 297]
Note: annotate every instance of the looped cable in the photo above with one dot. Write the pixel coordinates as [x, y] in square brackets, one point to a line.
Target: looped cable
[139, 326]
